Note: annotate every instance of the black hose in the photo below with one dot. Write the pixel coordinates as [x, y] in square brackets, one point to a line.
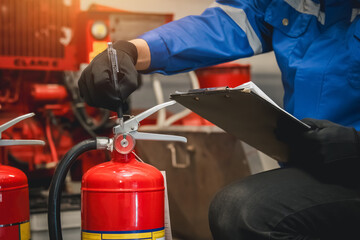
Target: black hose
[56, 186]
[79, 110]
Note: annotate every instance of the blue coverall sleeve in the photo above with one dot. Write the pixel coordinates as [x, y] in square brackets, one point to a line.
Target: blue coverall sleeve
[227, 30]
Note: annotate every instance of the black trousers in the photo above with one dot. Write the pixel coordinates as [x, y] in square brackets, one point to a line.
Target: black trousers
[287, 203]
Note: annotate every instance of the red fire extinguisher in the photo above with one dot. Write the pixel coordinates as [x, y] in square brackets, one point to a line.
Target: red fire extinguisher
[120, 199]
[14, 204]
[14, 192]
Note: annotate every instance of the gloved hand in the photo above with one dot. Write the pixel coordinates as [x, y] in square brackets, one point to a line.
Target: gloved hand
[96, 85]
[328, 151]
[325, 143]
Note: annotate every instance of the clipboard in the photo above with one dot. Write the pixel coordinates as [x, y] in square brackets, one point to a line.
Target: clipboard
[244, 113]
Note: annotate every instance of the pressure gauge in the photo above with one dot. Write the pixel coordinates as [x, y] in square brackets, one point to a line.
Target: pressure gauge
[124, 143]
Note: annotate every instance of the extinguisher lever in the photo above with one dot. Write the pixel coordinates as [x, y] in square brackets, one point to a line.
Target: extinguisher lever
[153, 110]
[20, 142]
[14, 121]
[158, 137]
[11, 123]
[133, 123]
[126, 134]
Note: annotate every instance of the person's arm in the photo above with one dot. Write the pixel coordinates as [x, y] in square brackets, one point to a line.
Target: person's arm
[143, 51]
[228, 30]
[225, 31]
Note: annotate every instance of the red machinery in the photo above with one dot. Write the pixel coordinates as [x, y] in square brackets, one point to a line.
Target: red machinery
[43, 45]
[222, 75]
[121, 199]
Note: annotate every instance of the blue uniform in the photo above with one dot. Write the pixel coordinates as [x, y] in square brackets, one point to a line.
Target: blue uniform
[317, 47]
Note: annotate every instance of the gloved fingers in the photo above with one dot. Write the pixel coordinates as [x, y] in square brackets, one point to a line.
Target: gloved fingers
[326, 143]
[311, 135]
[318, 123]
[129, 81]
[330, 132]
[84, 90]
[121, 75]
[100, 69]
[96, 83]
[302, 144]
[127, 76]
[100, 79]
[107, 97]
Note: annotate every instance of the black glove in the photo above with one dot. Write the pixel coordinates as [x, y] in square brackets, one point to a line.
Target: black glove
[96, 85]
[324, 143]
[328, 148]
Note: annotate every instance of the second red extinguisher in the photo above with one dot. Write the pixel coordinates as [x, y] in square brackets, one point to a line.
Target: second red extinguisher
[14, 191]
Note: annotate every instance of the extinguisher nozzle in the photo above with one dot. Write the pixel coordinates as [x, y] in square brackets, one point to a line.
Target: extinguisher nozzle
[104, 143]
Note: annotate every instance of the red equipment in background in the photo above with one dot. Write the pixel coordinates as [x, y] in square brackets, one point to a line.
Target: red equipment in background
[221, 75]
[38, 34]
[43, 45]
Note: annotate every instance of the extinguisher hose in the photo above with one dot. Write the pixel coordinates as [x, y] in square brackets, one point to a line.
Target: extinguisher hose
[57, 183]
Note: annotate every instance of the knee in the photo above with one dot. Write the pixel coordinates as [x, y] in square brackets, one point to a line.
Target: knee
[226, 212]
[239, 212]
[220, 207]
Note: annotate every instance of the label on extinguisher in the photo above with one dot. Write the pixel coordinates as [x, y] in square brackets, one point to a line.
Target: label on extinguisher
[20, 231]
[153, 234]
[25, 231]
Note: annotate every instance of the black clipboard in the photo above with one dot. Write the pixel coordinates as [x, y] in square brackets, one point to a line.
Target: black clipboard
[244, 114]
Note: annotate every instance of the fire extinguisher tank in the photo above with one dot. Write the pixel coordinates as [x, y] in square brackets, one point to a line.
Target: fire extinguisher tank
[123, 198]
[120, 199]
[14, 204]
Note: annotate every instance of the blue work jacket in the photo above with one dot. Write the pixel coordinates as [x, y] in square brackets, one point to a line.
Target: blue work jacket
[316, 44]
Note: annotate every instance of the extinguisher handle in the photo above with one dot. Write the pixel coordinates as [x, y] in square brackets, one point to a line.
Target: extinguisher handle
[15, 121]
[158, 137]
[12, 142]
[133, 123]
[5, 142]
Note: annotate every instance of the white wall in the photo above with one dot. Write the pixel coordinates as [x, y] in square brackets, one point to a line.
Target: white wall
[181, 8]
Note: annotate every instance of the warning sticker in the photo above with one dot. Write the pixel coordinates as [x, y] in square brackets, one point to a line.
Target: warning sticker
[154, 234]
